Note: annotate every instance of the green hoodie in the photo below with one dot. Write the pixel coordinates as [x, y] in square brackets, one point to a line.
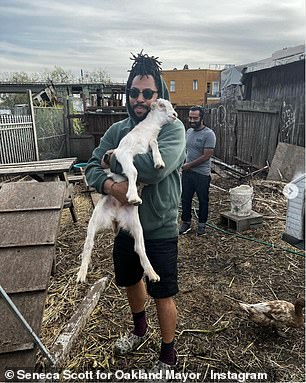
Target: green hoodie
[162, 193]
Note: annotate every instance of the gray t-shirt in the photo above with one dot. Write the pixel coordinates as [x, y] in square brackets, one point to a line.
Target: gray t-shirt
[196, 142]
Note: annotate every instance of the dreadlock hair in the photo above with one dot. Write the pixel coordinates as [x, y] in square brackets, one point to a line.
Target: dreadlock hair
[145, 65]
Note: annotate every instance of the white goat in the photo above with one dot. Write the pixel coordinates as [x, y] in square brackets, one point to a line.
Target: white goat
[109, 212]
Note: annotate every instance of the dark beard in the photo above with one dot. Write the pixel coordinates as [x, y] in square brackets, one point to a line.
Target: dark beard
[138, 118]
[195, 125]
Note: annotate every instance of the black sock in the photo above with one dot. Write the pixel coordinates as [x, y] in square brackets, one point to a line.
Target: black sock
[140, 323]
[168, 353]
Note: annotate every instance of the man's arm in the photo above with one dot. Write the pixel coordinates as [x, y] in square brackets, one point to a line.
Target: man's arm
[207, 153]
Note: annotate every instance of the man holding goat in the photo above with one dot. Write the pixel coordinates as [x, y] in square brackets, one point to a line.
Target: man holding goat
[158, 211]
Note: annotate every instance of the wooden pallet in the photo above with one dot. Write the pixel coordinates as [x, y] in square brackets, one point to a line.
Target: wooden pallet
[234, 222]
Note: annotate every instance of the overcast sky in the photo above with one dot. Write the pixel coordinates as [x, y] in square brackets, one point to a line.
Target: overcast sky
[100, 34]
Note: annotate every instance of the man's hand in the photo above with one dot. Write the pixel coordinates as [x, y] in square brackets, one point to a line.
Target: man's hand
[186, 167]
[117, 189]
[207, 153]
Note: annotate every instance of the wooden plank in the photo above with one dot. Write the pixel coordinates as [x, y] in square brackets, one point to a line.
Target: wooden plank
[33, 123]
[66, 339]
[47, 166]
[37, 166]
[23, 270]
[16, 360]
[31, 306]
[46, 195]
[26, 268]
[34, 170]
[16, 347]
[289, 161]
[238, 223]
[255, 135]
[224, 122]
[257, 106]
[75, 178]
[42, 162]
[29, 228]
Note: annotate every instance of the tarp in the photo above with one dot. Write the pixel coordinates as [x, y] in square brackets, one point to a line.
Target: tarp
[230, 76]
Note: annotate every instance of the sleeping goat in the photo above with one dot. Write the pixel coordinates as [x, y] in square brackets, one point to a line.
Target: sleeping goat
[109, 212]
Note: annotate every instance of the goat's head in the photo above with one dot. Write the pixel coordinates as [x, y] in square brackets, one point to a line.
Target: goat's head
[165, 109]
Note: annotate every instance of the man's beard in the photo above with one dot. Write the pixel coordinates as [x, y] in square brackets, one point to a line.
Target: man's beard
[140, 118]
[195, 125]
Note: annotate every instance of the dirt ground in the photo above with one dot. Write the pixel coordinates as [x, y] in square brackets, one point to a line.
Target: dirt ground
[216, 271]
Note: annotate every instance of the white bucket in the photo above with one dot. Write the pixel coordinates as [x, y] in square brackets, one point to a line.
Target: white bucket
[241, 200]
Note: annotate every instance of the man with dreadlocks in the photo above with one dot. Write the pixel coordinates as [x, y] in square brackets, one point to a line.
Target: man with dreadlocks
[158, 212]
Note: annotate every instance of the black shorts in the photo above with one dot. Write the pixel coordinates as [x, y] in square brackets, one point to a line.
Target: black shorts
[162, 254]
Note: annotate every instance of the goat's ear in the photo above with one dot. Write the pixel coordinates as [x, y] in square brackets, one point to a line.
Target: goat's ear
[153, 105]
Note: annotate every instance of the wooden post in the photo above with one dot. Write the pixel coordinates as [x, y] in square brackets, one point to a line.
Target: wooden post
[33, 123]
[67, 126]
[64, 342]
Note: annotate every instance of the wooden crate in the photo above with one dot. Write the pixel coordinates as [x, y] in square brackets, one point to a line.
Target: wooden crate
[234, 222]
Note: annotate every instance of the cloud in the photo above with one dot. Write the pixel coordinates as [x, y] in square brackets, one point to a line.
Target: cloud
[101, 34]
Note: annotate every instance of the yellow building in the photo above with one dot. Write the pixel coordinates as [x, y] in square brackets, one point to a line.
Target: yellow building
[193, 86]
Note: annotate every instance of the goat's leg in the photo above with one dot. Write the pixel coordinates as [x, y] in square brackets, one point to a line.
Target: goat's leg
[157, 158]
[130, 172]
[97, 222]
[137, 233]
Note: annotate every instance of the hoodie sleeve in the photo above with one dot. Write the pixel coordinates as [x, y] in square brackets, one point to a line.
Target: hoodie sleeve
[95, 174]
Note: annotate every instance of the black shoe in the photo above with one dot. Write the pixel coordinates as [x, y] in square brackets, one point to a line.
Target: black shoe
[200, 230]
[184, 228]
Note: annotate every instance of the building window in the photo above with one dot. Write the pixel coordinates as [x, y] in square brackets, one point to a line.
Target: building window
[208, 87]
[195, 85]
[215, 88]
[172, 86]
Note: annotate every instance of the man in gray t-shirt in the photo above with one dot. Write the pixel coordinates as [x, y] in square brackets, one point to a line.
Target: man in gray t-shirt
[200, 144]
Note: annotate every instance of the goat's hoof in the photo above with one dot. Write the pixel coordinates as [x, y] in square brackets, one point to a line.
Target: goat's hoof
[153, 277]
[160, 165]
[81, 277]
[135, 201]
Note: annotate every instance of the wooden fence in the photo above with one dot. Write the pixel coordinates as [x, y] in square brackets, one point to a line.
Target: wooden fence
[248, 131]
[98, 123]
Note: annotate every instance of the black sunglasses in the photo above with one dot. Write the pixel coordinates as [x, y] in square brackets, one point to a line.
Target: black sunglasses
[147, 93]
